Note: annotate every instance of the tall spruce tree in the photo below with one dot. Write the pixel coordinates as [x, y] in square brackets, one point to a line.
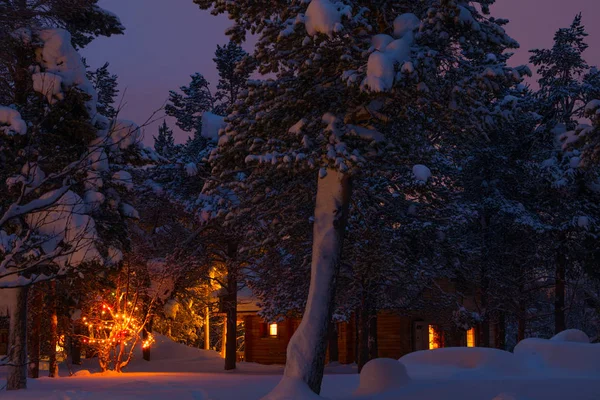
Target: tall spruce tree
[561, 70]
[234, 71]
[334, 109]
[188, 106]
[105, 84]
[164, 143]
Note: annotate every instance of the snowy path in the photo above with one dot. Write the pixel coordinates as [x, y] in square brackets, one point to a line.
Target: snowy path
[223, 386]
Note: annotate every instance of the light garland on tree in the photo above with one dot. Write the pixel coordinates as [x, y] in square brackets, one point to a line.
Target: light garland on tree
[113, 329]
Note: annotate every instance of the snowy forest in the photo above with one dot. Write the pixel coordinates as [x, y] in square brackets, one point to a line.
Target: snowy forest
[364, 159]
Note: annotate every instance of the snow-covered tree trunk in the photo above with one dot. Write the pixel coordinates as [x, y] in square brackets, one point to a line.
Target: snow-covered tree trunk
[306, 350]
[17, 347]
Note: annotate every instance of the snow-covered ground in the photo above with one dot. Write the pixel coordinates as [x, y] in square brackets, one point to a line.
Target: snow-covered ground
[560, 369]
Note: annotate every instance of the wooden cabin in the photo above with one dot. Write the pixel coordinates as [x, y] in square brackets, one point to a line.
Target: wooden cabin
[266, 343]
[397, 335]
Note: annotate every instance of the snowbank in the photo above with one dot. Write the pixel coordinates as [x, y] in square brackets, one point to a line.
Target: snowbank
[571, 335]
[458, 362]
[292, 389]
[382, 375]
[560, 354]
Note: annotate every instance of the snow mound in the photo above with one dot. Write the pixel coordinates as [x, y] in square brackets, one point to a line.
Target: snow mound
[323, 16]
[461, 361]
[292, 389]
[421, 173]
[48, 84]
[83, 372]
[382, 375]
[405, 23]
[559, 354]
[124, 134]
[509, 396]
[211, 125]
[65, 67]
[389, 52]
[571, 335]
[11, 122]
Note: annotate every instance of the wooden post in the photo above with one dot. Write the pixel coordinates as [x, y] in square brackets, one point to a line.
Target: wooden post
[207, 327]
[224, 338]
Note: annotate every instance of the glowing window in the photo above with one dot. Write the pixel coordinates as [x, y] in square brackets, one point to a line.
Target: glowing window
[434, 338]
[471, 337]
[273, 329]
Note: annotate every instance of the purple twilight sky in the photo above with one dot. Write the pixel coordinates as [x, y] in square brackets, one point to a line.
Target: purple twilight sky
[168, 40]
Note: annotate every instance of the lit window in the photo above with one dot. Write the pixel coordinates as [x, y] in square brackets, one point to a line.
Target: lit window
[471, 337]
[273, 329]
[434, 338]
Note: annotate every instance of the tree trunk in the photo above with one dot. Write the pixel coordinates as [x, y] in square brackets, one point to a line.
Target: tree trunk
[501, 332]
[521, 328]
[334, 352]
[145, 335]
[17, 350]
[306, 350]
[53, 363]
[231, 304]
[363, 337]
[76, 344]
[485, 332]
[373, 342]
[560, 288]
[35, 333]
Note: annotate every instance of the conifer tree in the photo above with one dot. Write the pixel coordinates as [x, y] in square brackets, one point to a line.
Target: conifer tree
[234, 71]
[561, 70]
[105, 84]
[334, 109]
[164, 143]
[189, 105]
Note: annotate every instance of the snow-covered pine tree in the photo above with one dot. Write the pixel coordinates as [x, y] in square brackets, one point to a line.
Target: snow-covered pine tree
[105, 84]
[164, 143]
[234, 71]
[59, 209]
[561, 69]
[567, 84]
[188, 106]
[344, 73]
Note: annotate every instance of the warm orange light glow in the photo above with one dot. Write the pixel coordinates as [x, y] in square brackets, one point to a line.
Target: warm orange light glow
[434, 338]
[471, 337]
[273, 329]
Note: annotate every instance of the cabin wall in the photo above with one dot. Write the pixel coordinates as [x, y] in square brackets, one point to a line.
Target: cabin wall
[262, 348]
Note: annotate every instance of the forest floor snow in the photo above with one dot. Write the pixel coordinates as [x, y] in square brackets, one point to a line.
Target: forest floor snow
[534, 371]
